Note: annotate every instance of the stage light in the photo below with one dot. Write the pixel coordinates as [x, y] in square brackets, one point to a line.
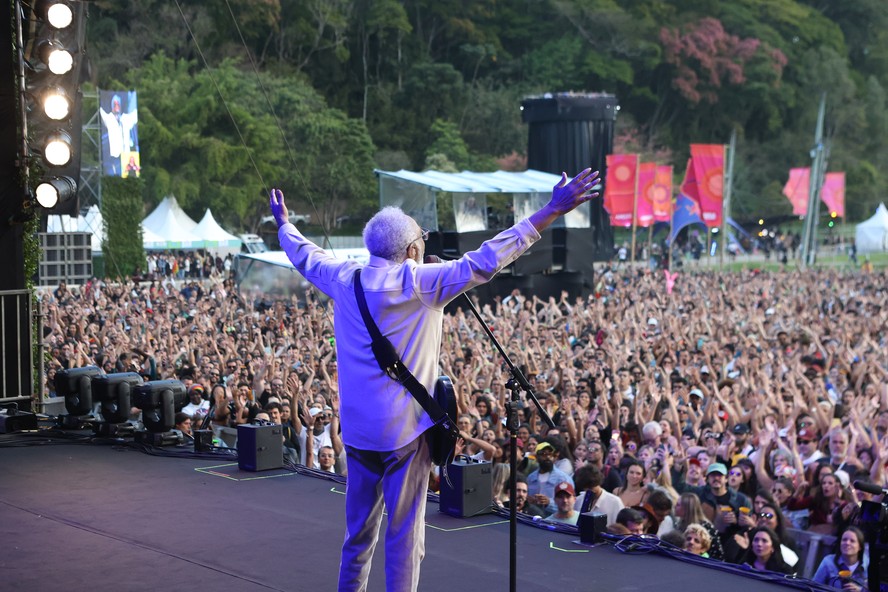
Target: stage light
[52, 85]
[75, 385]
[159, 401]
[56, 105]
[59, 15]
[833, 214]
[57, 150]
[114, 393]
[761, 222]
[58, 59]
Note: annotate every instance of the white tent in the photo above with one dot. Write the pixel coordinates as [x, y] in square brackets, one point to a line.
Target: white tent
[872, 235]
[168, 227]
[215, 237]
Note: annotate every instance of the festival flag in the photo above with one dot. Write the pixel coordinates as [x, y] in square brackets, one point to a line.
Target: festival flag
[647, 178]
[796, 190]
[833, 193]
[709, 165]
[662, 194]
[619, 187]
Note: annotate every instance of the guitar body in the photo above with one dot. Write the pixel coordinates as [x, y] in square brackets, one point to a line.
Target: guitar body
[443, 435]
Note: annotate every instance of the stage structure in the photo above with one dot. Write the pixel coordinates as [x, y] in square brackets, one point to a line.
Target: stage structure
[465, 209]
[568, 132]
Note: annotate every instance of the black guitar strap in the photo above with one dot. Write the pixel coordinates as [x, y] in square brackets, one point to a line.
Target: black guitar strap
[390, 361]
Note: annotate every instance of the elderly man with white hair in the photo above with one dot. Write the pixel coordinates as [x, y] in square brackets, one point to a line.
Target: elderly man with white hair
[382, 424]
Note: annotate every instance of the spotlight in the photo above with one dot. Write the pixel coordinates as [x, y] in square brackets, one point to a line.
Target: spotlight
[75, 385]
[114, 392]
[57, 150]
[159, 401]
[59, 15]
[56, 105]
[58, 59]
[53, 190]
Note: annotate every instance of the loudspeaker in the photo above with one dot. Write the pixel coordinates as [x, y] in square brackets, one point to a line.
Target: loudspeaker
[17, 421]
[591, 525]
[203, 440]
[472, 491]
[259, 447]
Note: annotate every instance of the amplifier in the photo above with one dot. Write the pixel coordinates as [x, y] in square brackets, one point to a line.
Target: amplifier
[260, 447]
[472, 491]
[592, 525]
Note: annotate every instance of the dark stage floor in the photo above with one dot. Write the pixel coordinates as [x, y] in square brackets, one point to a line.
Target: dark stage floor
[88, 517]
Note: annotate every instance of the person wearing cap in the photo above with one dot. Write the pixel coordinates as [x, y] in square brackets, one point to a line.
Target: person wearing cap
[541, 483]
[806, 443]
[198, 406]
[565, 498]
[721, 504]
[696, 398]
[742, 445]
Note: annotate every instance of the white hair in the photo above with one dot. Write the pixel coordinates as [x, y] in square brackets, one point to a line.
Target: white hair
[651, 430]
[388, 233]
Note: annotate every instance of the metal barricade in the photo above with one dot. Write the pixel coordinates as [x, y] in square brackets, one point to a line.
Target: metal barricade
[812, 548]
[16, 357]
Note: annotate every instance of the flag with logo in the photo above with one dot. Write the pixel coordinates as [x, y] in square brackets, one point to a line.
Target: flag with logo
[619, 187]
[709, 172]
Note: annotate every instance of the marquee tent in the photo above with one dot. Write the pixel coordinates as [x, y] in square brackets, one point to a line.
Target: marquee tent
[168, 209]
[872, 235]
[214, 237]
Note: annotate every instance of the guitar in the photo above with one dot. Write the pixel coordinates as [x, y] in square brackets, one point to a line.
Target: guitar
[443, 435]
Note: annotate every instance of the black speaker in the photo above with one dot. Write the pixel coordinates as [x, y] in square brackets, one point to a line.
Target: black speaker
[260, 447]
[472, 491]
[591, 525]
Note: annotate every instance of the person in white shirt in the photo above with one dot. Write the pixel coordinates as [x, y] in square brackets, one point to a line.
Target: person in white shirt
[388, 461]
[593, 497]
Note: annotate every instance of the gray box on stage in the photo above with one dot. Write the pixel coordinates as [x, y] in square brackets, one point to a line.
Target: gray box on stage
[472, 489]
[259, 447]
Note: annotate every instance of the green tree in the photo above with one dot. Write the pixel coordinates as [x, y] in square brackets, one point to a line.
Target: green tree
[121, 209]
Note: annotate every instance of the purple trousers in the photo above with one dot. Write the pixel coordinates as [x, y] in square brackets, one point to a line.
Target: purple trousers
[396, 481]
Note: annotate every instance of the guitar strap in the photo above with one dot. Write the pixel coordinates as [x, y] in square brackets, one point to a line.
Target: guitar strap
[390, 361]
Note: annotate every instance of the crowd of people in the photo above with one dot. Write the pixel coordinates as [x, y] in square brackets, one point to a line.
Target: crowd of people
[724, 414]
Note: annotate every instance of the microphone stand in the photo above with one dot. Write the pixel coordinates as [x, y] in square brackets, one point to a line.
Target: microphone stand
[516, 383]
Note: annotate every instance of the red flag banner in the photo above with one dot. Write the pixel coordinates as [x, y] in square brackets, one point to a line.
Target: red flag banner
[833, 193]
[709, 169]
[796, 190]
[619, 187]
[661, 195]
[647, 178]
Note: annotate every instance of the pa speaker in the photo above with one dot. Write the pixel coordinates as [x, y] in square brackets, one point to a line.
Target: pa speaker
[592, 525]
[260, 447]
[472, 489]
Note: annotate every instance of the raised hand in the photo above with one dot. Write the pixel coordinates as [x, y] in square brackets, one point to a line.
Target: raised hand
[278, 207]
[568, 195]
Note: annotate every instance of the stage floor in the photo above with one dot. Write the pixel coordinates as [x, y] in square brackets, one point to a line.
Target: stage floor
[91, 517]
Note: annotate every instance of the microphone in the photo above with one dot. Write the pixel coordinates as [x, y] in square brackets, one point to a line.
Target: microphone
[432, 259]
[870, 488]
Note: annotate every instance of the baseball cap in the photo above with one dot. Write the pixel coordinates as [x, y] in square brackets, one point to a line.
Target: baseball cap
[543, 445]
[806, 434]
[314, 411]
[696, 392]
[717, 468]
[564, 487]
[653, 322]
[694, 461]
[740, 429]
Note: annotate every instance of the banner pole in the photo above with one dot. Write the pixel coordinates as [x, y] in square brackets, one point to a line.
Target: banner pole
[635, 208]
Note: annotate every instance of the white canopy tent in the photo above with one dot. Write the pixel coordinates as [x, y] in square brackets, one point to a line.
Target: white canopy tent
[214, 237]
[872, 235]
[168, 209]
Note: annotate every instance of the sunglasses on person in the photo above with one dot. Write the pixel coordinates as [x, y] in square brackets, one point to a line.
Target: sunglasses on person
[735, 473]
[803, 441]
[766, 515]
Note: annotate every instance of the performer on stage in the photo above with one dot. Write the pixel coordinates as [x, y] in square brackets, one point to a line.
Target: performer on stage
[388, 462]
